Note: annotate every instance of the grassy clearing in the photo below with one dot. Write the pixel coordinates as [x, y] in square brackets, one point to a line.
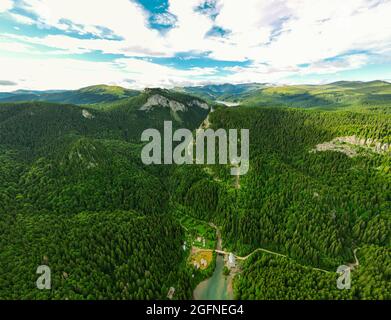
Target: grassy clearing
[198, 233]
[201, 258]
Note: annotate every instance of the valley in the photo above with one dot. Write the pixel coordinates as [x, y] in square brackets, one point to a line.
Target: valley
[74, 194]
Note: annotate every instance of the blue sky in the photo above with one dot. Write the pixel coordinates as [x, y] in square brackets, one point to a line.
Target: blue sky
[51, 44]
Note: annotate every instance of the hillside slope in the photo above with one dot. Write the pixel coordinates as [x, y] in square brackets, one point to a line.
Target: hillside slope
[223, 91]
[372, 96]
[88, 95]
[315, 206]
[73, 187]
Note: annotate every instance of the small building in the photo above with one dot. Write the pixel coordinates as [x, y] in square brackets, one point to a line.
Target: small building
[204, 263]
[196, 265]
[231, 260]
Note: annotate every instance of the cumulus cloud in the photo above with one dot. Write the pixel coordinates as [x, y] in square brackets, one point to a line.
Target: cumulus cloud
[336, 65]
[123, 18]
[165, 19]
[286, 33]
[276, 32]
[278, 38]
[5, 5]
[267, 73]
[329, 30]
[67, 73]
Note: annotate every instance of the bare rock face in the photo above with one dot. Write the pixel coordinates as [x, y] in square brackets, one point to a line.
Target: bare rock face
[86, 114]
[376, 146]
[200, 104]
[158, 100]
[346, 145]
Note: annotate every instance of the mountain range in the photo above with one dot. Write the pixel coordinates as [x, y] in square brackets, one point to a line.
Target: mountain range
[334, 95]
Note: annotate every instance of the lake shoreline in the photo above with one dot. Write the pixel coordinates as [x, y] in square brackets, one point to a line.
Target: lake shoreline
[218, 286]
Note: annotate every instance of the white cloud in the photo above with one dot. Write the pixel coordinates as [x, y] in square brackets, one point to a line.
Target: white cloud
[286, 33]
[56, 73]
[329, 29]
[264, 73]
[10, 46]
[276, 35]
[31, 73]
[5, 5]
[190, 29]
[21, 19]
[251, 23]
[278, 32]
[147, 74]
[124, 18]
[336, 65]
[164, 19]
[258, 73]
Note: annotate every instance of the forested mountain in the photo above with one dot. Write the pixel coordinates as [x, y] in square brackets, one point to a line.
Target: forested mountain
[316, 206]
[328, 96]
[223, 91]
[75, 195]
[93, 94]
[364, 96]
[374, 96]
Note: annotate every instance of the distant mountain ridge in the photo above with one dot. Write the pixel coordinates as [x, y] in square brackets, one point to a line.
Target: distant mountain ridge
[334, 95]
[88, 95]
[223, 91]
[123, 119]
[341, 94]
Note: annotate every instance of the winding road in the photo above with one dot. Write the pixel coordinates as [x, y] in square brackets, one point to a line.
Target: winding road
[351, 265]
[219, 250]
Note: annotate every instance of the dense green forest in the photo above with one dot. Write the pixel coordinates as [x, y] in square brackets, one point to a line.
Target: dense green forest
[93, 255]
[74, 195]
[373, 96]
[269, 277]
[291, 193]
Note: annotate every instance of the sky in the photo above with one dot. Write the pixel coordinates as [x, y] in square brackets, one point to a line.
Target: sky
[69, 44]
